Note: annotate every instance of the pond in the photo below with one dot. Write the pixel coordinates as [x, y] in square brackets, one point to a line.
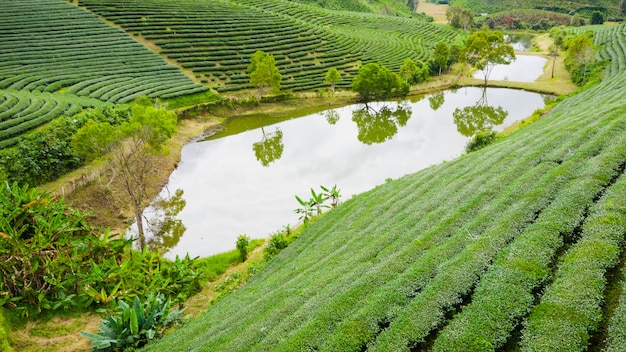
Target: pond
[525, 68]
[519, 42]
[244, 179]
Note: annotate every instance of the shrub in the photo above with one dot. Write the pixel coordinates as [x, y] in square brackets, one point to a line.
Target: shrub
[481, 140]
[242, 246]
[133, 327]
[4, 334]
[277, 243]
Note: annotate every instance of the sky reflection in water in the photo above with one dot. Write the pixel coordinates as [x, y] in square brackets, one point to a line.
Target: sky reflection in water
[232, 189]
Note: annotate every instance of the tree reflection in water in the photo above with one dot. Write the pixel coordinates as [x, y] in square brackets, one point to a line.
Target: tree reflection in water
[380, 126]
[332, 116]
[436, 100]
[480, 117]
[270, 148]
[166, 229]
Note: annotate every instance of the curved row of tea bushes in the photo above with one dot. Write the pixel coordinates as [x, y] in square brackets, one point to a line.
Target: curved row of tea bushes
[21, 112]
[571, 308]
[613, 47]
[507, 291]
[616, 340]
[216, 39]
[50, 45]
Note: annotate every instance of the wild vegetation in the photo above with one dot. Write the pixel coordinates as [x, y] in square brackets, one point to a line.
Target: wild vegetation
[507, 247]
[584, 8]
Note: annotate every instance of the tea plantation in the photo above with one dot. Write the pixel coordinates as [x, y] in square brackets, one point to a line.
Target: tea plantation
[215, 39]
[518, 246]
[69, 51]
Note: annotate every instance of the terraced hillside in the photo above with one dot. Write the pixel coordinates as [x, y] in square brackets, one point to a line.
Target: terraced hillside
[49, 45]
[507, 248]
[582, 7]
[216, 38]
[388, 7]
[22, 111]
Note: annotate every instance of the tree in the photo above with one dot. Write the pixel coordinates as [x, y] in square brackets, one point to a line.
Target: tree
[459, 17]
[622, 6]
[580, 54]
[576, 21]
[332, 76]
[412, 4]
[597, 17]
[95, 139]
[136, 158]
[484, 50]
[442, 55]
[554, 53]
[376, 82]
[263, 72]
[408, 70]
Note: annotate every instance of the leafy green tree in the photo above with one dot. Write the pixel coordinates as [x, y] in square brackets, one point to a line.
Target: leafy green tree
[263, 72]
[622, 6]
[414, 72]
[94, 139]
[459, 17]
[136, 159]
[408, 70]
[270, 148]
[580, 55]
[332, 76]
[484, 50]
[597, 17]
[576, 21]
[377, 82]
[441, 55]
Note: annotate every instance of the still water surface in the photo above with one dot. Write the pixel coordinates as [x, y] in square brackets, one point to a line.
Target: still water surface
[245, 182]
[525, 68]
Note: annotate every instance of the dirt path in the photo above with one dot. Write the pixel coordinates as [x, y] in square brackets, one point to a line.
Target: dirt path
[438, 12]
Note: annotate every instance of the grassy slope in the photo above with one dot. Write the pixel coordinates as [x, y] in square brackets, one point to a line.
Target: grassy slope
[483, 234]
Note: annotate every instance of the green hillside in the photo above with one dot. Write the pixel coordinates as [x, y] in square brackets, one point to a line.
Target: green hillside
[216, 39]
[384, 7]
[583, 7]
[49, 45]
[57, 59]
[507, 248]
[23, 111]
